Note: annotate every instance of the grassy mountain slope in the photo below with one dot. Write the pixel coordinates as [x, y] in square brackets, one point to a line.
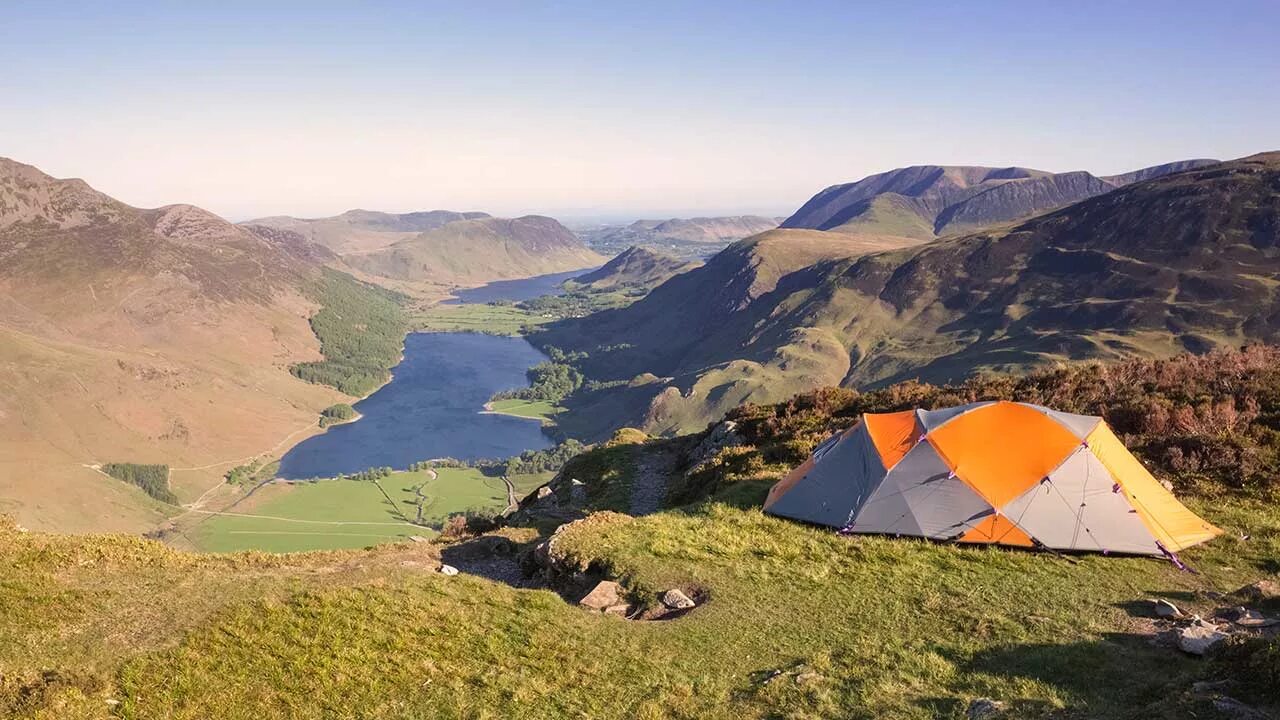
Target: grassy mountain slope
[364, 230]
[1187, 261]
[481, 250]
[635, 267]
[928, 201]
[108, 626]
[685, 238]
[131, 335]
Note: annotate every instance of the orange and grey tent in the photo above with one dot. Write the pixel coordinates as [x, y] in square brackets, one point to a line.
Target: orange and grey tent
[993, 472]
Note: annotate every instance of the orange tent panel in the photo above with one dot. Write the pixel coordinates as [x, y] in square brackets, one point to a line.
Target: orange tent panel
[1169, 521]
[894, 434]
[997, 529]
[1002, 449]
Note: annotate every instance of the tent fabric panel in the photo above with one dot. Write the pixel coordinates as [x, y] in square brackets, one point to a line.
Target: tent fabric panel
[781, 487]
[1002, 449]
[930, 420]
[1078, 507]
[921, 489]
[1079, 425]
[840, 481]
[894, 434]
[997, 529]
[1168, 520]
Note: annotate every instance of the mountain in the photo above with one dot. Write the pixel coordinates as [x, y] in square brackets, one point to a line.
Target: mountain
[928, 201]
[140, 335]
[480, 250]
[364, 230]
[635, 267]
[1190, 260]
[685, 238]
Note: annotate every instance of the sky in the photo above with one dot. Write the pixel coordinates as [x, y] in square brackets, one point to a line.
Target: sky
[599, 109]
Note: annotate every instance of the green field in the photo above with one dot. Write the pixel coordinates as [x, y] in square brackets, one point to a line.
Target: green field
[538, 409]
[488, 319]
[334, 514]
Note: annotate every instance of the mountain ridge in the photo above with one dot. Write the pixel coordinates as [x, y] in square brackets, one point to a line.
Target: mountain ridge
[953, 199]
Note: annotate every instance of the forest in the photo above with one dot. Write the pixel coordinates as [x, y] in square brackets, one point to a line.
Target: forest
[361, 330]
[153, 479]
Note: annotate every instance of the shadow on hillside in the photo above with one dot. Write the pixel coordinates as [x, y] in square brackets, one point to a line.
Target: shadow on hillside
[492, 557]
[1119, 670]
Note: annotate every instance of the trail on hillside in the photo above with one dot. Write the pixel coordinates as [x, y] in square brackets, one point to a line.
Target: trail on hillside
[649, 483]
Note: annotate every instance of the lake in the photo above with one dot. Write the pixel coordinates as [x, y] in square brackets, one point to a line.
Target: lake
[430, 409]
[515, 290]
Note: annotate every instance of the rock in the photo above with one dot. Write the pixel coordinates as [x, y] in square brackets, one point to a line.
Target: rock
[417, 538]
[676, 600]
[984, 708]
[620, 610]
[544, 492]
[1206, 687]
[1253, 619]
[1261, 591]
[448, 570]
[1166, 609]
[1236, 709]
[604, 595]
[1198, 638]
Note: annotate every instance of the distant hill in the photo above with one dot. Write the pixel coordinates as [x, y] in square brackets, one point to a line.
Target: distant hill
[1185, 261]
[928, 201]
[684, 238]
[635, 267]
[480, 250]
[364, 230]
[140, 335]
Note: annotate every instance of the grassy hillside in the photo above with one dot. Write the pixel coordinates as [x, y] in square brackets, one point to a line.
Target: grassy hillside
[794, 621]
[1186, 261]
[473, 251]
[142, 335]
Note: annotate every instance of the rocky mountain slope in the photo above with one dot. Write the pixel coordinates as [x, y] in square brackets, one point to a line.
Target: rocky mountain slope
[635, 267]
[364, 230]
[470, 251]
[1186, 261]
[928, 201]
[139, 335]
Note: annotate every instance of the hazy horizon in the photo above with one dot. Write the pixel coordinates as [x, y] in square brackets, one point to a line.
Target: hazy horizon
[586, 113]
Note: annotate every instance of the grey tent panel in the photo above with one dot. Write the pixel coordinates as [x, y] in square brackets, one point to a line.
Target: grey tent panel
[1079, 425]
[837, 485]
[920, 496]
[931, 420]
[1077, 508]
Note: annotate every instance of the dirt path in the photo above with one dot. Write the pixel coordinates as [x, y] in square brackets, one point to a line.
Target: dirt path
[513, 502]
[649, 485]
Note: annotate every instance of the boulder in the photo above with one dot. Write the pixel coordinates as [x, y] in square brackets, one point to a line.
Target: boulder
[1253, 619]
[984, 708]
[544, 492]
[619, 610]
[1196, 639]
[448, 570]
[1166, 609]
[1261, 591]
[604, 595]
[674, 599]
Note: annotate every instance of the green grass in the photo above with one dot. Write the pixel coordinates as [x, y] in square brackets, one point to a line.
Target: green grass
[334, 514]
[539, 409]
[488, 319]
[895, 628]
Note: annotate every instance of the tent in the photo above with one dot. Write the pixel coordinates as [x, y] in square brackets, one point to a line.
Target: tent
[993, 472]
